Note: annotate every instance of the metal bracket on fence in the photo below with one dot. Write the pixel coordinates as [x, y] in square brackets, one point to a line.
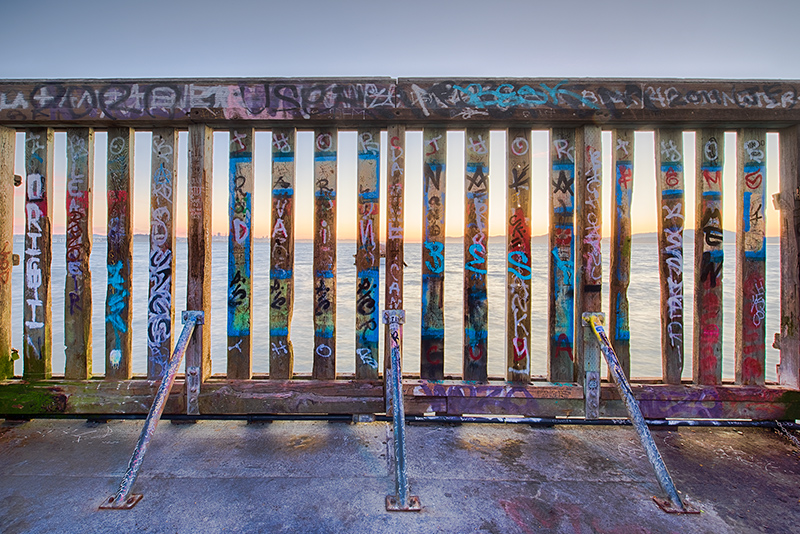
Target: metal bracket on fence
[591, 382]
[401, 501]
[673, 503]
[123, 499]
[192, 376]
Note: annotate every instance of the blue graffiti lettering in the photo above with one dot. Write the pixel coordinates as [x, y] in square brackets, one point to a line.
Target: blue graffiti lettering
[522, 264]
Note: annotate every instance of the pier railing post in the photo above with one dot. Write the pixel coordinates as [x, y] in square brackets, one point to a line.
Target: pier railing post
[401, 501]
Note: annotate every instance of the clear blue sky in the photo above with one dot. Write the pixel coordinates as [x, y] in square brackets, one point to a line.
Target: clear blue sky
[247, 38]
[579, 38]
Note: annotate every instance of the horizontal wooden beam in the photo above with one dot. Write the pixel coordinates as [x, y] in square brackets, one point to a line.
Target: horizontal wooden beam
[259, 396]
[148, 103]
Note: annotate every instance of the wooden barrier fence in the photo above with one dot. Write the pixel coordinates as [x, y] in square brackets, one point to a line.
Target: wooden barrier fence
[575, 112]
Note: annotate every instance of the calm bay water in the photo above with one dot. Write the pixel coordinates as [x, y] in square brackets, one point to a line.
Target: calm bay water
[643, 294]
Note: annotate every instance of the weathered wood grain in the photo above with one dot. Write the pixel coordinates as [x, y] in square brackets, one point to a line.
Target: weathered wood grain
[281, 273]
[751, 255]
[243, 397]
[368, 255]
[708, 258]
[670, 202]
[78, 282]
[265, 101]
[659, 401]
[518, 259]
[476, 237]
[161, 264]
[789, 203]
[325, 186]
[119, 187]
[7, 151]
[434, 181]
[560, 303]
[395, 214]
[198, 284]
[622, 149]
[38, 313]
[240, 252]
[588, 235]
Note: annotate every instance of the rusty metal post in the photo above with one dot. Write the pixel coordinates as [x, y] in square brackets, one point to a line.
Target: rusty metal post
[673, 503]
[123, 499]
[401, 501]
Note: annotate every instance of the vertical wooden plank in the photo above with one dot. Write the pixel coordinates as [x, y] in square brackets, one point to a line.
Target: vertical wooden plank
[434, 178]
[198, 286]
[119, 179]
[325, 143]
[789, 202]
[7, 148]
[281, 273]
[476, 235]
[240, 246]
[751, 254]
[622, 143]
[669, 187]
[518, 261]
[38, 299]
[560, 306]
[161, 265]
[78, 283]
[588, 234]
[708, 258]
[395, 191]
[368, 254]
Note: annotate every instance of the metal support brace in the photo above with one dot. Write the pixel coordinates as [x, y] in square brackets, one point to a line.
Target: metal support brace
[123, 499]
[401, 501]
[673, 503]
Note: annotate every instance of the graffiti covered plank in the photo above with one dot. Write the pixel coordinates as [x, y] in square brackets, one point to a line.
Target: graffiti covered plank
[518, 260]
[615, 101]
[240, 252]
[78, 283]
[588, 235]
[198, 283]
[670, 200]
[161, 265]
[395, 191]
[119, 187]
[325, 185]
[476, 236]
[281, 273]
[562, 256]
[708, 258]
[368, 255]
[751, 255]
[38, 313]
[173, 102]
[7, 148]
[622, 146]
[434, 179]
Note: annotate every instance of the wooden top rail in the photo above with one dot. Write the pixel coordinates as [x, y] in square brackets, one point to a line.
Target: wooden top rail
[151, 103]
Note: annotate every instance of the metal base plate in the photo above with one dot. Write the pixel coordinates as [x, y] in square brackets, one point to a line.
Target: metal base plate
[669, 507]
[393, 505]
[127, 504]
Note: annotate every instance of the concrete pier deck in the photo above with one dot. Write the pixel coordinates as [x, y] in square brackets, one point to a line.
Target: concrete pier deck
[315, 476]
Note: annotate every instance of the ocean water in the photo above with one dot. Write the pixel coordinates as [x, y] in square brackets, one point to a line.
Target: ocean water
[643, 294]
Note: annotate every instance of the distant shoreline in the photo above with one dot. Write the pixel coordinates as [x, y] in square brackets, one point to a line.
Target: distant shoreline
[641, 238]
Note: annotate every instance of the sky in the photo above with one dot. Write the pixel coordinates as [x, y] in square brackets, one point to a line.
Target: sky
[658, 39]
